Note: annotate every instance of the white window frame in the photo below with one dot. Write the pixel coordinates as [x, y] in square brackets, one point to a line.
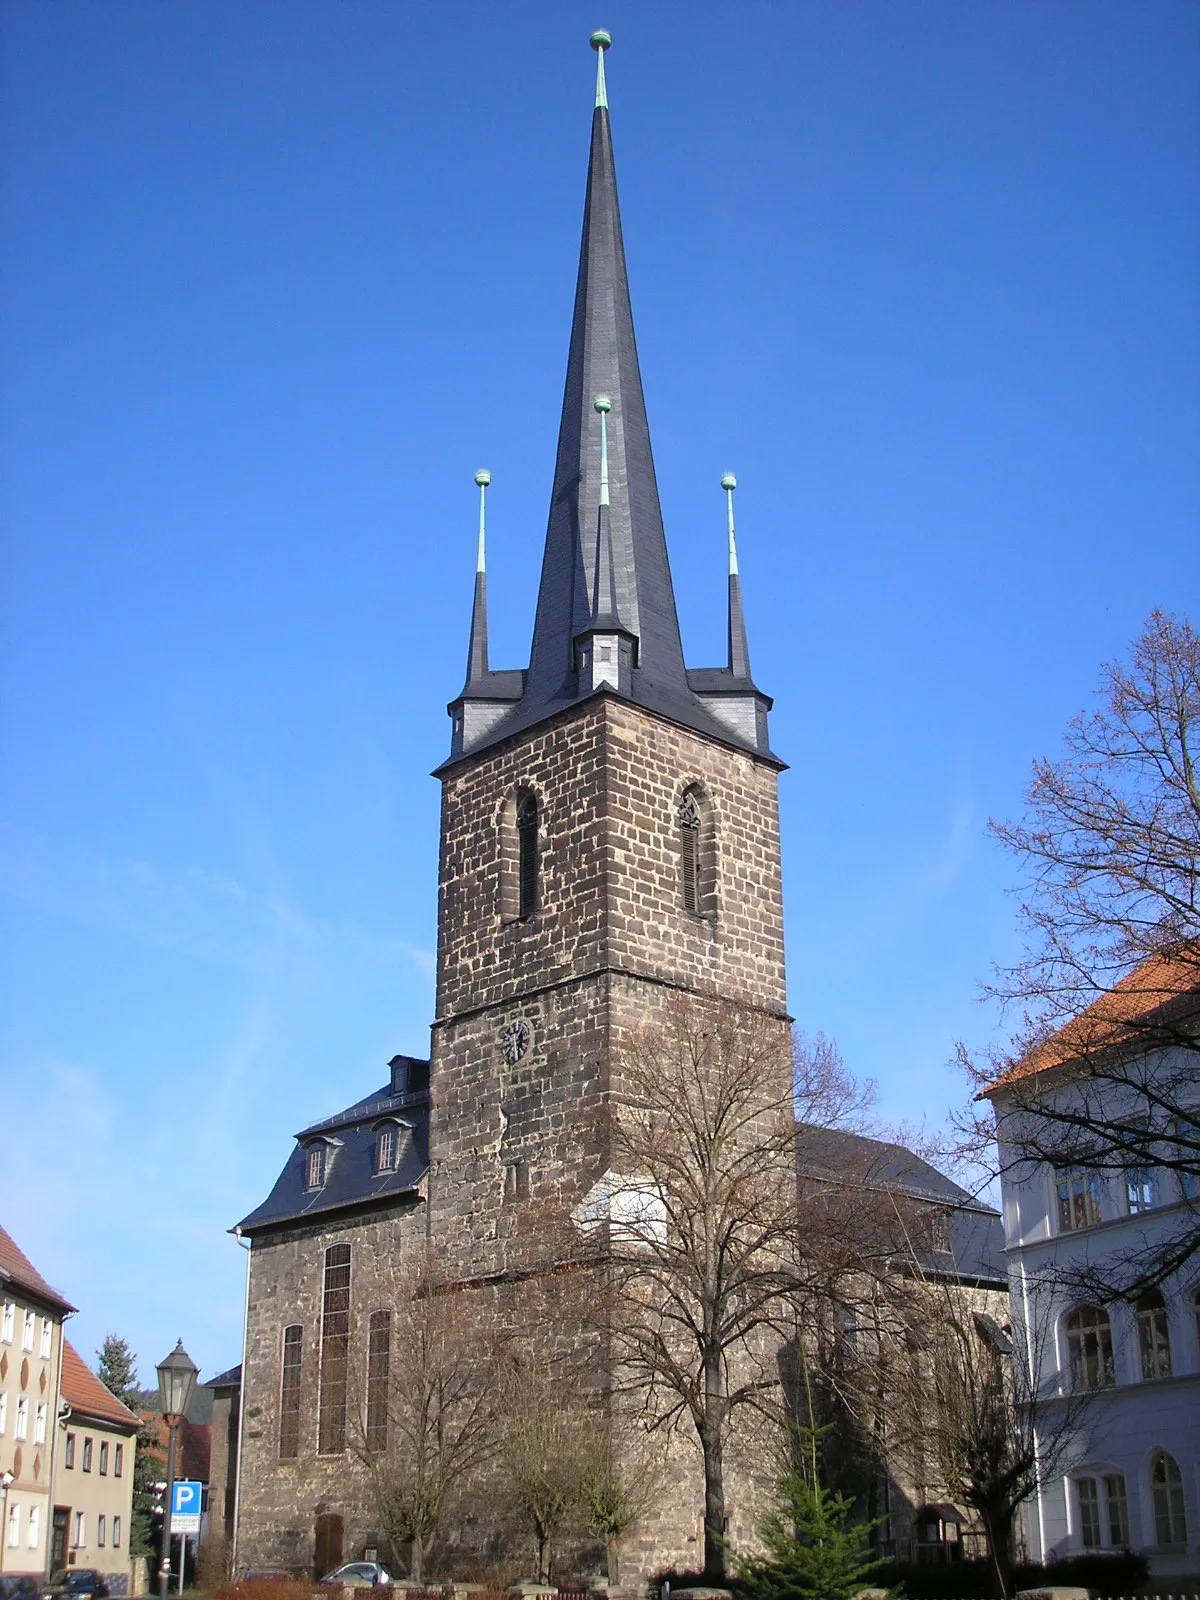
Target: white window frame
[47, 1338]
[116, 1532]
[14, 1525]
[21, 1424]
[27, 1331]
[79, 1532]
[1080, 1184]
[1141, 1191]
[35, 1527]
[6, 1322]
[39, 1423]
[3, 1412]
[101, 1530]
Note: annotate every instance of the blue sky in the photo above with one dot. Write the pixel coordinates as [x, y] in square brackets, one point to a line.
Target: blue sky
[278, 277]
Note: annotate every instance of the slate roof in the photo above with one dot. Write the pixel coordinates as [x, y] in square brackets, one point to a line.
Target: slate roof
[350, 1176]
[975, 1232]
[229, 1379]
[17, 1269]
[602, 360]
[87, 1396]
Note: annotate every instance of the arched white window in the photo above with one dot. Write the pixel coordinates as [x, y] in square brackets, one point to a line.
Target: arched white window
[1089, 1344]
[1154, 1338]
[1166, 1489]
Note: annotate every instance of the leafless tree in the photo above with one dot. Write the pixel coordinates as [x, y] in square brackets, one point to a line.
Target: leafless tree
[978, 1401]
[698, 1220]
[424, 1419]
[625, 1471]
[1108, 995]
[545, 1451]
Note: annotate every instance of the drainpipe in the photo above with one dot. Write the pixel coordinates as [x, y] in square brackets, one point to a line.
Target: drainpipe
[53, 1484]
[1037, 1460]
[237, 1488]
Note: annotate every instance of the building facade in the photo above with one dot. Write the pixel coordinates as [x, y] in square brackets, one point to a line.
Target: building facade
[93, 1491]
[609, 839]
[1119, 1373]
[32, 1315]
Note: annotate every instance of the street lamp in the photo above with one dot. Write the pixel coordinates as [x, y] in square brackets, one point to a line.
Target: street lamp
[176, 1380]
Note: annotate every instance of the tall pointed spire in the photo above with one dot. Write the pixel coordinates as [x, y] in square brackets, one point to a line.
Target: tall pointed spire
[603, 360]
[477, 653]
[739, 652]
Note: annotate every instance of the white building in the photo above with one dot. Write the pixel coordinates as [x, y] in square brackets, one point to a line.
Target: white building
[1128, 1473]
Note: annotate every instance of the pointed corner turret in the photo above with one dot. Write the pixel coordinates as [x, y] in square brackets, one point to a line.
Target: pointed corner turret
[487, 697]
[739, 650]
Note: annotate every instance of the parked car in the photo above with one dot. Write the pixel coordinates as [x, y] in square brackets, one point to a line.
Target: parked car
[76, 1583]
[358, 1575]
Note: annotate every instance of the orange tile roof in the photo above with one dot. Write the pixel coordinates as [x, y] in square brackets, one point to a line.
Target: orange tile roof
[1157, 995]
[17, 1269]
[83, 1392]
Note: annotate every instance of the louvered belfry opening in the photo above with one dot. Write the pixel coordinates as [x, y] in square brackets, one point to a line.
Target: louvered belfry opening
[527, 854]
[689, 853]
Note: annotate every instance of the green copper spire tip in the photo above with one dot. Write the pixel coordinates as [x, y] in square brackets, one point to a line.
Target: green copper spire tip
[603, 405]
[729, 484]
[601, 41]
[483, 477]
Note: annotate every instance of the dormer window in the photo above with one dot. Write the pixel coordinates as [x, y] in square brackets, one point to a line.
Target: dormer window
[385, 1148]
[314, 1167]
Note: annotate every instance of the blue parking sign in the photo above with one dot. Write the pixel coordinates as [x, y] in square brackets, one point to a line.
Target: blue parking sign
[185, 1506]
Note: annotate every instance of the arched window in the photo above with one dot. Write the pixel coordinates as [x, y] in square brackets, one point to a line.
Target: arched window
[1154, 1339]
[697, 872]
[1089, 1342]
[527, 854]
[689, 852]
[379, 1358]
[1166, 1488]
[289, 1393]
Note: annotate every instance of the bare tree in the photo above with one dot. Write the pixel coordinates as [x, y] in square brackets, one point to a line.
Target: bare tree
[980, 1401]
[698, 1220]
[1109, 992]
[424, 1421]
[545, 1453]
[624, 1472]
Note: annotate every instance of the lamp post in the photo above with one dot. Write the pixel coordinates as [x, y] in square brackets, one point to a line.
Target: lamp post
[176, 1380]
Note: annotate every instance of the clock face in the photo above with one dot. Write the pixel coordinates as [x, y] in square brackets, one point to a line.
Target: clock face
[514, 1041]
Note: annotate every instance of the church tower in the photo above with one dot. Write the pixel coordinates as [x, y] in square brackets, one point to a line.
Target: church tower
[609, 825]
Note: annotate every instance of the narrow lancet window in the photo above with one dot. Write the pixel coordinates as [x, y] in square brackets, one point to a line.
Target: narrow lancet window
[289, 1394]
[335, 1350]
[379, 1357]
[527, 854]
[689, 853]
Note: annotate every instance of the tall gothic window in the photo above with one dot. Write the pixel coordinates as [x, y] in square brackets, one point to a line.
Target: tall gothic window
[335, 1351]
[1089, 1341]
[379, 1356]
[289, 1393]
[527, 854]
[1154, 1339]
[1166, 1485]
[697, 873]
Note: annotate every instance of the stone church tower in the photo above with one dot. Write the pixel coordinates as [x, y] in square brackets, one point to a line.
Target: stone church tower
[609, 836]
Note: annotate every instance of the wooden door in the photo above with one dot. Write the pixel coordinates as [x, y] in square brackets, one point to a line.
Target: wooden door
[58, 1538]
[328, 1540]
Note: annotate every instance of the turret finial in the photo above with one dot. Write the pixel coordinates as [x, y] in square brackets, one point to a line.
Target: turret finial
[601, 41]
[603, 405]
[729, 484]
[483, 477]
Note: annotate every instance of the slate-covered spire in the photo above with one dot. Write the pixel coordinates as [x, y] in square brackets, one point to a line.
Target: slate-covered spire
[603, 360]
[739, 651]
[477, 652]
